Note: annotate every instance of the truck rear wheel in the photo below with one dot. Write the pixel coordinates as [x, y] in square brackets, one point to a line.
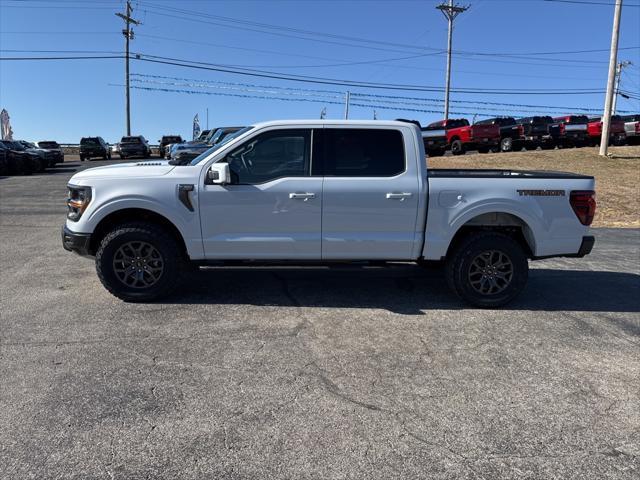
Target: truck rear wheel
[506, 144]
[487, 269]
[457, 147]
[139, 262]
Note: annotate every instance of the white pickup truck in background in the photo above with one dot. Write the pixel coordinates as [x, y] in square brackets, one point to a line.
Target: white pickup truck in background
[318, 192]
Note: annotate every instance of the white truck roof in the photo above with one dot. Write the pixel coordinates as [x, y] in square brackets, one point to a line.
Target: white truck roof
[364, 123]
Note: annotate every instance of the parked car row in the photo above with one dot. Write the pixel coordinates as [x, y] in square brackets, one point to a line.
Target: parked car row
[508, 134]
[19, 157]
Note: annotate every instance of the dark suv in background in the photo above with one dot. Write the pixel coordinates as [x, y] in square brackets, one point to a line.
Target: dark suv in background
[52, 146]
[167, 140]
[135, 146]
[94, 147]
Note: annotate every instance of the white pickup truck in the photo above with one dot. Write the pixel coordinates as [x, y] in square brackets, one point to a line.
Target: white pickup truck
[320, 192]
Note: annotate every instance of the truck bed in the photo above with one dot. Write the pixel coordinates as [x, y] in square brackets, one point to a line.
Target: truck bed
[500, 173]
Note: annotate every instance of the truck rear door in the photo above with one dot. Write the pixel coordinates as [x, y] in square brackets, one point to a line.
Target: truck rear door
[370, 193]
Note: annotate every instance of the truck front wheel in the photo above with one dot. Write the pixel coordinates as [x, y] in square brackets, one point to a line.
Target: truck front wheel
[139, 262]
[487, 269]
[457, 147]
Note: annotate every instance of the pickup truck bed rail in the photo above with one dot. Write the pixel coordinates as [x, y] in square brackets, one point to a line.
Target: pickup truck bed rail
[501, 173]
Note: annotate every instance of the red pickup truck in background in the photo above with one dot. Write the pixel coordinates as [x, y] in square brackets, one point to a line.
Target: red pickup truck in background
[617, 134]
[461, 136]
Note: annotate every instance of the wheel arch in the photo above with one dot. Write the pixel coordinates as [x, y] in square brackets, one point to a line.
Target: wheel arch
[129, 215]
[498, 221]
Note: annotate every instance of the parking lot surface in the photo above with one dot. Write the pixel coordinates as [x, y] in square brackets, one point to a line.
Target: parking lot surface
[311, 372]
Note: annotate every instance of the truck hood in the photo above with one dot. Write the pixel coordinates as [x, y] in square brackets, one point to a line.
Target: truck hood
[126, 170]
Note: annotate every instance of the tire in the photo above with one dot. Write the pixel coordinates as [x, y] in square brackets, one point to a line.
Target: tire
[164, 257]
[457, 148]
[464, 275]
[547, 146]
[122, 157]
[506, 144]
[82, 159]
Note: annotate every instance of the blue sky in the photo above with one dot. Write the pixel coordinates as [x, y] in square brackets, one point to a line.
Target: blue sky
[65, 100]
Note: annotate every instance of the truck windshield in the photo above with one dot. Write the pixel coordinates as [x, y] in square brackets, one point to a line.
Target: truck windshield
[219, 145]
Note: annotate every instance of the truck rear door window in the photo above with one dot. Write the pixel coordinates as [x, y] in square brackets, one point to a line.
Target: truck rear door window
[355, 152]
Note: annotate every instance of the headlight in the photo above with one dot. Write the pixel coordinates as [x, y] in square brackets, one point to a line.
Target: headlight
[78, 200]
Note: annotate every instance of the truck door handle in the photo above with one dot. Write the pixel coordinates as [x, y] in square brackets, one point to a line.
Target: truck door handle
[398, 196]
[302, 196]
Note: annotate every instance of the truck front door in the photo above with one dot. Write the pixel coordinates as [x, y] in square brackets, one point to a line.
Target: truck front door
[272, 208]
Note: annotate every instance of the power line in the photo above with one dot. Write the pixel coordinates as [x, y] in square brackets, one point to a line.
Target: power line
[84, 57]
[336, 93]
[353, 62]
[198, 92]
[356, 83]
[317, 80]
[584, 2]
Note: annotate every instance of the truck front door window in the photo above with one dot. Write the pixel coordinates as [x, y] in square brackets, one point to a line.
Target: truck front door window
[283, 153]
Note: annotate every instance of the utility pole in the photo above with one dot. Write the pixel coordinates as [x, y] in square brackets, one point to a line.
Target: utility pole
[450, 11]
[128, 35]
[621, 65]
[608, 102]
[347, 98]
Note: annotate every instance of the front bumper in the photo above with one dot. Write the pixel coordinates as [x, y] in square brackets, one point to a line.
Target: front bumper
[79, 243]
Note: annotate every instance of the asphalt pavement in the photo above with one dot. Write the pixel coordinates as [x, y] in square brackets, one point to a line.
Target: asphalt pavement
[311, 373]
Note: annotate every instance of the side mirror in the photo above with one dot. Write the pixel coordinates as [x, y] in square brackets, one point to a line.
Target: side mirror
[219, 174]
